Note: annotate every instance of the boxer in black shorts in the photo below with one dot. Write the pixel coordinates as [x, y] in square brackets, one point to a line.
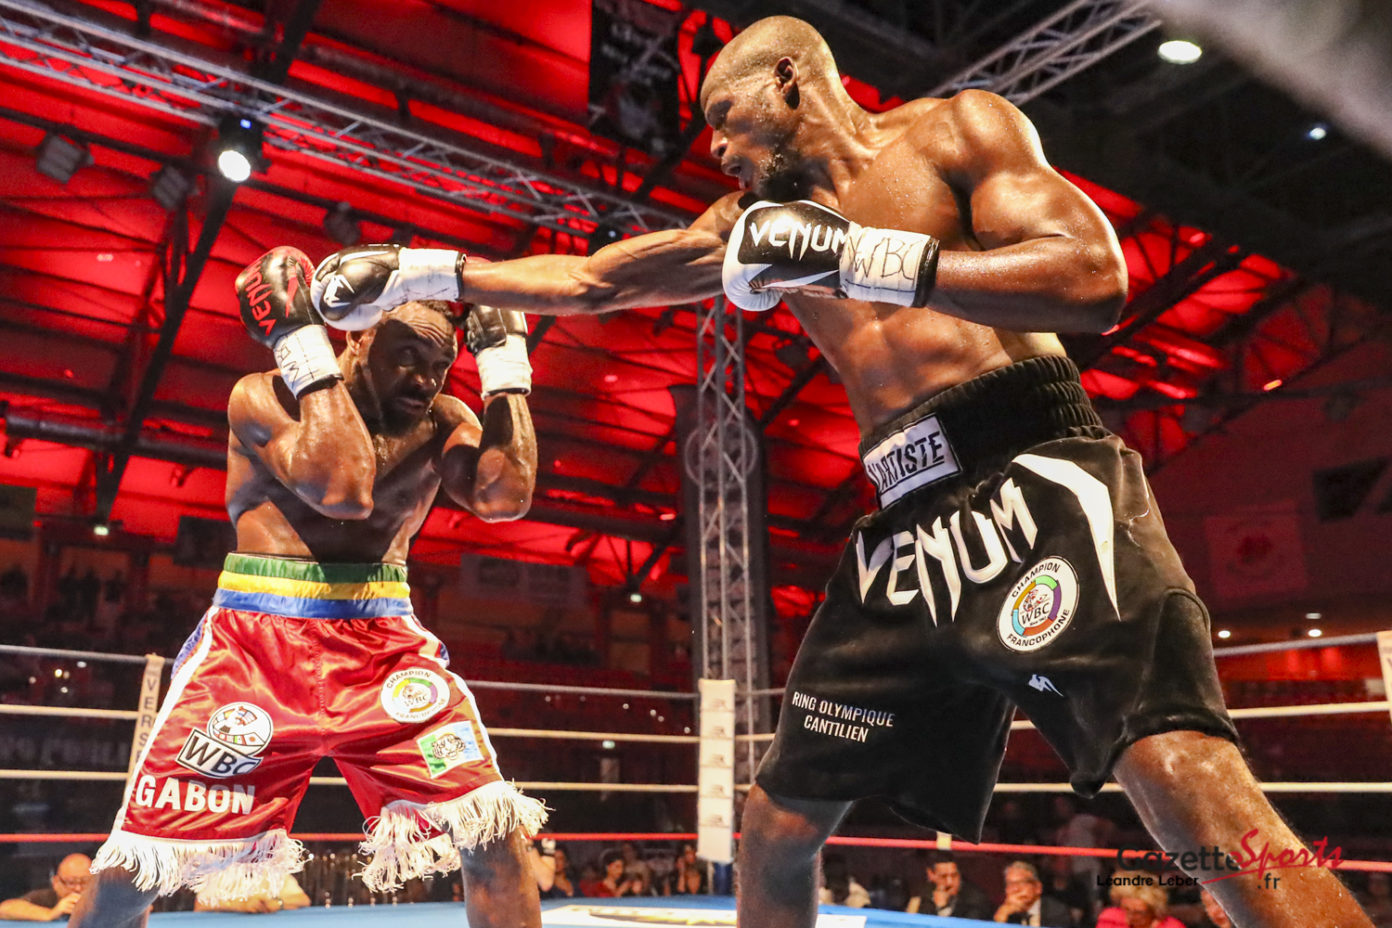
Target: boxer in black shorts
[930, 252]
[1018, 560]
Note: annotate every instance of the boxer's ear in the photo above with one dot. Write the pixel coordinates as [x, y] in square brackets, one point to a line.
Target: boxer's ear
[786, 73]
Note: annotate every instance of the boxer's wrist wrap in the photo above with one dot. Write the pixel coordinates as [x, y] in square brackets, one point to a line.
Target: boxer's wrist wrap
[306, 358]
[428, 274]
[889, 266]
[505, 368]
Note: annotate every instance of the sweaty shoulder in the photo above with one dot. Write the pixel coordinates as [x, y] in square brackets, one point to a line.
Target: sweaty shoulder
[977, 132]
[254, 407]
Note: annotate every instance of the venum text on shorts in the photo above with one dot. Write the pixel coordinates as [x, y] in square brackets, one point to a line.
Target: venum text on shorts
[828, 717]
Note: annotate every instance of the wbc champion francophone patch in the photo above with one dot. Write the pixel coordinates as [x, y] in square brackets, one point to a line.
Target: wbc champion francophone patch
[1039, 606]
[414, 695]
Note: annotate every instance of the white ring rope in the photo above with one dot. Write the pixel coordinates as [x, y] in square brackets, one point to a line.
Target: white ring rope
[1293, 711]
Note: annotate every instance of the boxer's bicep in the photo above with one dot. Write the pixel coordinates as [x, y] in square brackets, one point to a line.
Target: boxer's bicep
[489, 467]
[323, 457]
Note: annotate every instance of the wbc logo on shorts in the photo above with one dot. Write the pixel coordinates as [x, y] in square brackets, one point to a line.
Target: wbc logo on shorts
[414, 695]
[228, 747]
[1039, 606]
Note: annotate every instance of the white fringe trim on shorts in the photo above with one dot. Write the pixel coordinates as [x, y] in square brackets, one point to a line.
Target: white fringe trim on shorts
[217, 870]
[400, 851]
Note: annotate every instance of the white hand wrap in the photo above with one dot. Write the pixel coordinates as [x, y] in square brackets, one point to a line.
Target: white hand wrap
[305, 358]
[505, 368]
[888, 265]
[422, 274]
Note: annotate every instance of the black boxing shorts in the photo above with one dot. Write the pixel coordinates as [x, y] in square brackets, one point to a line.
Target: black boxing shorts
[1018, 559]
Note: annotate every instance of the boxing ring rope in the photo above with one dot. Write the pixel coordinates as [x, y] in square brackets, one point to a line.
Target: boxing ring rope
[1290, 711]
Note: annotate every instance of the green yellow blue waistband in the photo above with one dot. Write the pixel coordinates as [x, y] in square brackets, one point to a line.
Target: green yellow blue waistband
[306, 589]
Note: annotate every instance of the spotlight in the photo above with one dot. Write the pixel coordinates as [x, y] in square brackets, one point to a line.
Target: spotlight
[170, 187]
[1314, 616]
[239, 148]
[1224, 633]
[101, 529]
[1317, 132]
[635, 597]
[341, 226]
[1314, 633]
[1180, 51]
[606, 233]
[60, 158]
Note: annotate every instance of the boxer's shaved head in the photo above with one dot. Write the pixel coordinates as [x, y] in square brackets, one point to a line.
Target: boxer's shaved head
[756, 51]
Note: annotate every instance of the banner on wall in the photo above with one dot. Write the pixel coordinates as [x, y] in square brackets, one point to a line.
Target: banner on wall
[1255, 553]
[495, 578]
[634, 71]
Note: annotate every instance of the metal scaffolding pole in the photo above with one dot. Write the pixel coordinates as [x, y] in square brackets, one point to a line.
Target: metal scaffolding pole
[722, 457]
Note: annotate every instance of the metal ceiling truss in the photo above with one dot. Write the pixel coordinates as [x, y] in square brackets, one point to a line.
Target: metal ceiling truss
[1262, 364]
[192, 86]
[1070, 41]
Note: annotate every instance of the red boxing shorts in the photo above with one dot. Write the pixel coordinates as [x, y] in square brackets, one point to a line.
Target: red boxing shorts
[296, 661]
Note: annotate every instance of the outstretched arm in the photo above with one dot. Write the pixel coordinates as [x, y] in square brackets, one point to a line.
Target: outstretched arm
[489, 468]
[676, 266]
[1051, 261]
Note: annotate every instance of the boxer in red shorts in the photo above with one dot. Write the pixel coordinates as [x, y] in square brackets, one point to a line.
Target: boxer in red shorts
[311, 648]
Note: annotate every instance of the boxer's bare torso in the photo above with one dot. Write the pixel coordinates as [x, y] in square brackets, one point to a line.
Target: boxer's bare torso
[390, 473]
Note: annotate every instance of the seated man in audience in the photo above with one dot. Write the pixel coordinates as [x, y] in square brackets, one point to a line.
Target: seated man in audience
[950, 895]
[289, 896]
[1025, 902]
[55, 901]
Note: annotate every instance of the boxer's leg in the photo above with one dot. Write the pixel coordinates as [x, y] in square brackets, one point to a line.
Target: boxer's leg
[1194, 791]
[112, 901]
[779, 850]
[500, 890]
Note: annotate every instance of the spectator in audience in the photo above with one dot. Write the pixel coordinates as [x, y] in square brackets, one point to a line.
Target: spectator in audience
[590, 879]
[690, 873]
[289, 896]
[1060, 883]
[615, 882]
[541, 855]
[55, 901]
[561, 885]
[1082, 829]
[1217, 918]
[1137, 906]
[635, 870]
[950, 895]
[838, 886]
[1025, 902]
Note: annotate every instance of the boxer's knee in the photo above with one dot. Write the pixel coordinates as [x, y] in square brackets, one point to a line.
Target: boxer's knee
[783, 830]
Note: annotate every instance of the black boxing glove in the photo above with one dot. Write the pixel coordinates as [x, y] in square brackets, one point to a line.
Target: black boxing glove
[497, 338]
[273, 293]
[354, 286]
[788, 246]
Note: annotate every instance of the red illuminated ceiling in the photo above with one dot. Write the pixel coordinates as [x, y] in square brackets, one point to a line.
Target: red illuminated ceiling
[83, 282]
